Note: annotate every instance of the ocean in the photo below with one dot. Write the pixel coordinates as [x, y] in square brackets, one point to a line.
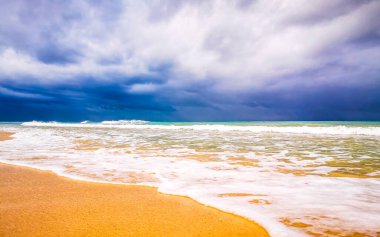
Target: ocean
[294, 178]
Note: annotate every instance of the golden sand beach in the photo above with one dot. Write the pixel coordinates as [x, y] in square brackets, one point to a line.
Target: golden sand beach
[40, 203]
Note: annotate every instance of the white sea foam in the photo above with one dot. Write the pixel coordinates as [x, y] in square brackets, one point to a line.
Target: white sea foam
[136, 124]
[124, 122]
[168, 160]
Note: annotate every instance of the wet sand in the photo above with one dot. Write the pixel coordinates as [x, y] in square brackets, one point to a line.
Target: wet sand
[40, 203]
[5, 136]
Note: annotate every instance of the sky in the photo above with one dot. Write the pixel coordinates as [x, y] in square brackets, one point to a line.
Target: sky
[189, 60]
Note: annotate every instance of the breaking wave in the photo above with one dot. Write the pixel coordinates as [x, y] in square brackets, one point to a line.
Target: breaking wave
[124, 122]
[140, 124]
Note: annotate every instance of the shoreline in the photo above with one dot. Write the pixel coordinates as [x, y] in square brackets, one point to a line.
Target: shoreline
[36, 202]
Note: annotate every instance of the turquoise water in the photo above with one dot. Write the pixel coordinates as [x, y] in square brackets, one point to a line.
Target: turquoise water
[276, 123]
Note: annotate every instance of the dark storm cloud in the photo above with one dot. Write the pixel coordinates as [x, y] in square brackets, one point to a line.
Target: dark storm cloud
[76, 102]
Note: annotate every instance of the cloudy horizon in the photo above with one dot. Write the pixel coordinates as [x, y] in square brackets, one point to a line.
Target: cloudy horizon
[194, 60]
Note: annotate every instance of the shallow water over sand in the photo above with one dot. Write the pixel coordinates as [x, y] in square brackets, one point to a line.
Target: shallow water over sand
[296, 179]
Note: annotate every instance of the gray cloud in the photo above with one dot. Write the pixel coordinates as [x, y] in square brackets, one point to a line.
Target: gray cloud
[238, 44]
